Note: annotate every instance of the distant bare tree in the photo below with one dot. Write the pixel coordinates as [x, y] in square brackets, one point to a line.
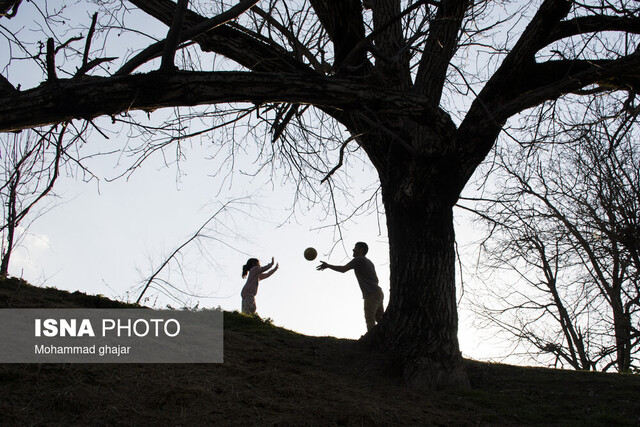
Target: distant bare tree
[564, 225]
[30, 167]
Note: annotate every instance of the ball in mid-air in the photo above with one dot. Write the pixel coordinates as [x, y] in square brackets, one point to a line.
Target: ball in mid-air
[310, 254]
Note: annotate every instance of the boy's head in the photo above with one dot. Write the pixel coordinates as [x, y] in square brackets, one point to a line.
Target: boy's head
[360, 249]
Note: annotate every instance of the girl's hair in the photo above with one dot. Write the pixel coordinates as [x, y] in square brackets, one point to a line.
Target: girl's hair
[252, 262]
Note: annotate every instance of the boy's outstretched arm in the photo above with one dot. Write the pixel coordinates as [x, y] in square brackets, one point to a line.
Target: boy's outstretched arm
[339, 268]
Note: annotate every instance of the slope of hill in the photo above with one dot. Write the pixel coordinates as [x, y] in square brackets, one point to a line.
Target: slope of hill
[272, 376]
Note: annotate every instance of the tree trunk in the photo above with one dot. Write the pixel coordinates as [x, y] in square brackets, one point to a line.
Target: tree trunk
[622, 331]
[421, 323]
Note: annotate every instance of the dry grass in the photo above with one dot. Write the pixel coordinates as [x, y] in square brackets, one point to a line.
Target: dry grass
[272, 376]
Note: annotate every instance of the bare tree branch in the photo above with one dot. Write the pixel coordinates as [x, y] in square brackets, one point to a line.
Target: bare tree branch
[440, 47]
[171, 42]
[96, 96]
[191, 33]
[197, 235]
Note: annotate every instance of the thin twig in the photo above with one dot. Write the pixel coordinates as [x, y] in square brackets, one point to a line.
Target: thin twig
[87, 46]
[340, 160]
[177, 251]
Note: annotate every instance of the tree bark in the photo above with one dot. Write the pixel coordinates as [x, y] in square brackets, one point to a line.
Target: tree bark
[421, 325]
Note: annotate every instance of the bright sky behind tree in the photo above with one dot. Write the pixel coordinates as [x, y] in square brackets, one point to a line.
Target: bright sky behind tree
[107, 238]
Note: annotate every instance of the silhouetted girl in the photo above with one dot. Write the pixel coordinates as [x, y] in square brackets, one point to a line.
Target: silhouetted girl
[256, 273]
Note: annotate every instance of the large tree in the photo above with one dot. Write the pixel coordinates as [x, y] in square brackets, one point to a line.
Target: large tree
[400, 76]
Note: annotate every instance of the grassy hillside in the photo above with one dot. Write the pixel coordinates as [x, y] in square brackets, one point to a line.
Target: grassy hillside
[272, 376]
